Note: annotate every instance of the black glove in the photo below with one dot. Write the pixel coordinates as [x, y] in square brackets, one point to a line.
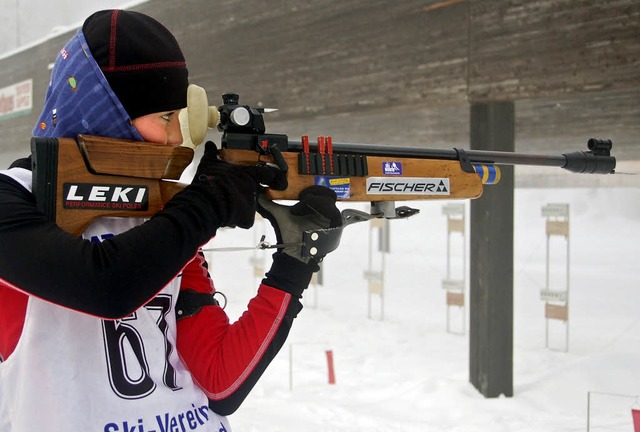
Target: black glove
[211, 165]
[238, 184]
[316, 212]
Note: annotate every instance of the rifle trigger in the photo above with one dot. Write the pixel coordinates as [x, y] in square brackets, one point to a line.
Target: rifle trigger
[465, 162]
[278, 158]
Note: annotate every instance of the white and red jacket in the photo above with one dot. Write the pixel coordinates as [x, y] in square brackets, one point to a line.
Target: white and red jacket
[87, 342]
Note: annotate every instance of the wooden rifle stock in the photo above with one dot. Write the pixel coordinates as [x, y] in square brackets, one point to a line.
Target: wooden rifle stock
[77, 181]
[461, 184]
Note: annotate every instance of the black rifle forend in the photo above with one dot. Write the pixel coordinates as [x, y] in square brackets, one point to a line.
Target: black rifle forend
[243, 128]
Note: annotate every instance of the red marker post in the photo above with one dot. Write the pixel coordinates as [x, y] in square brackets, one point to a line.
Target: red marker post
[330, 368]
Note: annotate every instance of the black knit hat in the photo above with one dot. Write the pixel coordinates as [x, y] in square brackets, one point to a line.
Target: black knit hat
[141, 60]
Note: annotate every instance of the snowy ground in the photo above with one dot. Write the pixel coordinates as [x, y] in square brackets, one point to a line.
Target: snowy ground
[405, 372]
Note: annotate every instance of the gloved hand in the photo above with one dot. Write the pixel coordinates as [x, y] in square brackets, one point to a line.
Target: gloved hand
[238, 185]
[316, 211]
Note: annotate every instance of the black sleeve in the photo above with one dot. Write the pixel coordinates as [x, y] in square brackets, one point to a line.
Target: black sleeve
[109, 279]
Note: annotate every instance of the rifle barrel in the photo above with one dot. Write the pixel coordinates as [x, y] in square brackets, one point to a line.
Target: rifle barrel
[577, 162]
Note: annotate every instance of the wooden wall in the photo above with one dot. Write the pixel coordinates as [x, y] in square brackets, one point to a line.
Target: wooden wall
[403, 73]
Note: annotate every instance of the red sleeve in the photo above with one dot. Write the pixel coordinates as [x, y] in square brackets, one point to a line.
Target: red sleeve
[13, 307]
[226, 359]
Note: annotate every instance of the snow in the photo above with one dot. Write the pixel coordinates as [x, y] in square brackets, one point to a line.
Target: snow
[400, 370]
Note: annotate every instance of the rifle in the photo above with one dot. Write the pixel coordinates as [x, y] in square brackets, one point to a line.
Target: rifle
[78, 180]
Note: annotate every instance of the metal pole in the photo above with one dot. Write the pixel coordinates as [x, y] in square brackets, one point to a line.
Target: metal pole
[290, 367]
[382, 232]
[448, 268]
[568, 297]
[546, 287]
[448, 318]
[464, 270]
[588, 410]
[448, 251]
[370, 266]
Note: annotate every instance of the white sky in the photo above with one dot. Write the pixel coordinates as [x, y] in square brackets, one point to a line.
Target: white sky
[26, 21]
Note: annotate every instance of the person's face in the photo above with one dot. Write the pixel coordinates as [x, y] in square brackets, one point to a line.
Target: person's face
[161, 128]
